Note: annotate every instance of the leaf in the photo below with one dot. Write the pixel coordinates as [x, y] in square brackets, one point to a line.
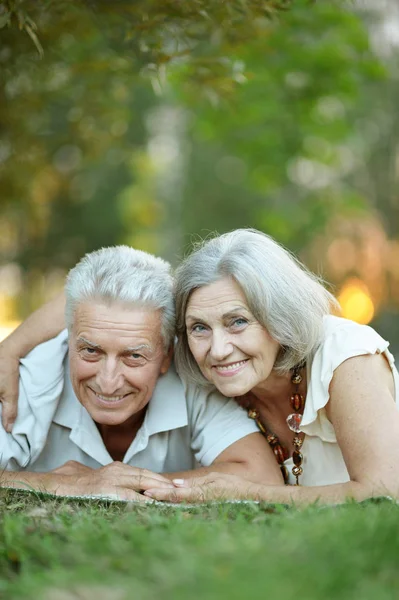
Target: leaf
[34, 39]
[5, 19]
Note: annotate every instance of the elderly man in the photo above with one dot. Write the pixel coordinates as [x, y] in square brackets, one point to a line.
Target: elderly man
[101, 410]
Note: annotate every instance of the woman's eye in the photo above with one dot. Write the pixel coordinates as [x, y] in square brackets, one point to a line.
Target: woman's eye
[198, 328]
[240, 322]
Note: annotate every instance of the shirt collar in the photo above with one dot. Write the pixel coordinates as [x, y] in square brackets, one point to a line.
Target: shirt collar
[167, 410]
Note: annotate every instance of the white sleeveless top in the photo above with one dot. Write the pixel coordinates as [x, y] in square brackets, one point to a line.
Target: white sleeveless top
[323, 463]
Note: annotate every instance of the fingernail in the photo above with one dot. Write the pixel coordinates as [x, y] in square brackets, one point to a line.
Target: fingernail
[178, 481]
[148, 493]
[9, 427]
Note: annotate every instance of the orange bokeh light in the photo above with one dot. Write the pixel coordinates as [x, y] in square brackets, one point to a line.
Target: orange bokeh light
[356, 301]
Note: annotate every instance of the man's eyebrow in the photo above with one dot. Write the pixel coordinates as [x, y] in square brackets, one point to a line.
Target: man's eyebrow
[83, 340]
[139, 347]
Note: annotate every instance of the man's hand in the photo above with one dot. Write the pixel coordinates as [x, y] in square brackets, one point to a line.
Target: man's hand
[9, 379]
[116, 480]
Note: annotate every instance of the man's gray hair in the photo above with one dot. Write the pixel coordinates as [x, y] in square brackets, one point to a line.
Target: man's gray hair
[126, 275]
[286, 298]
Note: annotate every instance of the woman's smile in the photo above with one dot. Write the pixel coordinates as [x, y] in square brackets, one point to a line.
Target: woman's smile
[230, 369]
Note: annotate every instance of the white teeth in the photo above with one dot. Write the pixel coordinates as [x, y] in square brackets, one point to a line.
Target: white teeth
[230, 367]
[110, 398]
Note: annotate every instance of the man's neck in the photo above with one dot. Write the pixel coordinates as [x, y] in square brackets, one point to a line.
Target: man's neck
[117, 438]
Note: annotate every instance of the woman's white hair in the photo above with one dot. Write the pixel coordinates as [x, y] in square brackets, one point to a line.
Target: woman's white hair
[123, 274]
[286, 298]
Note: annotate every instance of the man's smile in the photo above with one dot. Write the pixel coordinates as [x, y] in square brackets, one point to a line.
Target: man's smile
[105, 399]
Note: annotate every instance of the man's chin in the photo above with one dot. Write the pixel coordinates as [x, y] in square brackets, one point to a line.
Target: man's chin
[113, 419]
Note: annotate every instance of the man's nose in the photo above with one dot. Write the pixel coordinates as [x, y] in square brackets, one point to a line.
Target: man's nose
[221, 346]
[109, 377]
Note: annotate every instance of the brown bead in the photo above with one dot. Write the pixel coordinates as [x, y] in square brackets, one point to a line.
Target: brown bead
[297, 471]
[297, 402]
[279, 453]
[253, 413]
[297, 441]
[284, 471]
[272, 439]
[261, 427]
[296, 378]
[297, 458]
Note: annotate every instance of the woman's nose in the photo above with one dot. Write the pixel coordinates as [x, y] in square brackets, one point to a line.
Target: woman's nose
[221, 346]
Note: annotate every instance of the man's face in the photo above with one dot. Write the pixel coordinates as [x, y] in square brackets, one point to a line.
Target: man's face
[116, 355]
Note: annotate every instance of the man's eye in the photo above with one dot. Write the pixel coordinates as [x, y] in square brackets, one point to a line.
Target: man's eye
[89, 351]
[135, 356]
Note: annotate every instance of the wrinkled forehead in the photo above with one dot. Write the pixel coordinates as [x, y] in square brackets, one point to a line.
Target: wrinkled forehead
[218, 296]
[117, 323]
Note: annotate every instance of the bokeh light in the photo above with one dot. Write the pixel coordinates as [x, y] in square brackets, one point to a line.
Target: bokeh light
[356, 302]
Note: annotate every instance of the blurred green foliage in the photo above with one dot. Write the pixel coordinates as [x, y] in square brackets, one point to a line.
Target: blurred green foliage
[286, 137]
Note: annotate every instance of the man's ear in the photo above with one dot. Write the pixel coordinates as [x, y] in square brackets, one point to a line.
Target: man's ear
[167, 360]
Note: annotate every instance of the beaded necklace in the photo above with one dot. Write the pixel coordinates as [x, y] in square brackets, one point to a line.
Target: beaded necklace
[281, 453]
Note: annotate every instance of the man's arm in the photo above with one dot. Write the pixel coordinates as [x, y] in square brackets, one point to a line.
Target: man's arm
[116, 480]
[25, 480]
[39, 327]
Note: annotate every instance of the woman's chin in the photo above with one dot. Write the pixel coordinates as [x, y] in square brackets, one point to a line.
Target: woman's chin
[232, 389]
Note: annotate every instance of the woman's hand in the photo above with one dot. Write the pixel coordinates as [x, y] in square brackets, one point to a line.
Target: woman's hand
[213, 486]
[40, 326]
[9, 380]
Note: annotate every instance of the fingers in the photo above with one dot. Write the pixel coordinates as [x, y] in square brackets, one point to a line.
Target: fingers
[175, 495]
[131, 496]
[135, 478]
[9, 380]
[140, 483]
[195, 493]
[9, 410]
[146, 474]
[196, 481]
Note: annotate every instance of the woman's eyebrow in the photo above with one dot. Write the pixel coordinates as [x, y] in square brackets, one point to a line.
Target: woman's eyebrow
[193, 318]
[235, 311]
[231, 313]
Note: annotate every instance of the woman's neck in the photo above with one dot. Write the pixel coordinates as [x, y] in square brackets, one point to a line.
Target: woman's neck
[275, 387]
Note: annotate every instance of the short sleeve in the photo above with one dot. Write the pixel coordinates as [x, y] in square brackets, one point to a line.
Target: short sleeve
[343, 339]
[41, 381]
[216, 422]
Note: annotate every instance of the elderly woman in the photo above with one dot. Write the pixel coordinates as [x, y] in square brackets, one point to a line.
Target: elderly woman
[323, 390]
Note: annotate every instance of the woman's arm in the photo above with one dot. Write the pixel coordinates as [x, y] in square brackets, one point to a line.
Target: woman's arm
[366, 421]
[40, 326]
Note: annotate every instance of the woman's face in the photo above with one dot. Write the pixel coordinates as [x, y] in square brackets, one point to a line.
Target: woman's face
[232, 349]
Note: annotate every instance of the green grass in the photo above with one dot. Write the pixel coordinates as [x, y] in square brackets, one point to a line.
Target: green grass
[54, 549]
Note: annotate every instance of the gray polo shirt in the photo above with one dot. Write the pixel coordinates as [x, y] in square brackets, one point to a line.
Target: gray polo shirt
[184, 426]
